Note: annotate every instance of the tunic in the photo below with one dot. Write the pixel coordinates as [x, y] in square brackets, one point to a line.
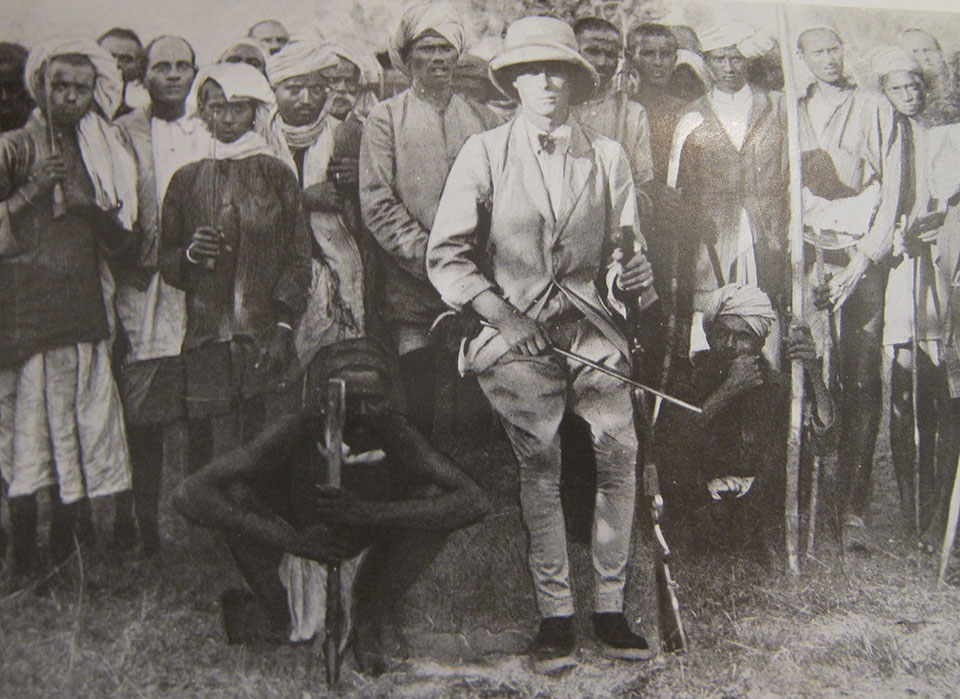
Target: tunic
[407, 150]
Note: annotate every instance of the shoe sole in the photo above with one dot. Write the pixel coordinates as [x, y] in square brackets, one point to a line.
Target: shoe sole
[626, 653]
[552, 665]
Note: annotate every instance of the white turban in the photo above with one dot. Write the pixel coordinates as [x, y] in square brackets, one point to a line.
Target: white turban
[744, 301]
[733, 33]
[237, 80]
[418, 19]
[887, 59]
[299, 58]
[112, 169]
[108, 85]
[371, 72]
[224, 52]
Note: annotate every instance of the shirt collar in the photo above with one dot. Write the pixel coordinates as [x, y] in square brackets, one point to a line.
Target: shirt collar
[738, 98]
[186, 123]
[562, 135]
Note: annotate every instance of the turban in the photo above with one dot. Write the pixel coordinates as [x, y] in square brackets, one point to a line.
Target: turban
[887, 59]
[252, 43]
[112, 169]
[299, 58]
[108, 85]
[371, 72]
[418, 19]
[744, 301]
[740, 34]
[237, 80]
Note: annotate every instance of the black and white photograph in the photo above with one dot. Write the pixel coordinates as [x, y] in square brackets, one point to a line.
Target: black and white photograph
[479, 348]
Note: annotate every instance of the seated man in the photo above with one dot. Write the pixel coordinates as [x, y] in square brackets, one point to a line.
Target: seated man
[737, 447]
[281, 525]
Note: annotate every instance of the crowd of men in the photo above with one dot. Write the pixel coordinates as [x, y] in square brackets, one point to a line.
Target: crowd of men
[197, 250]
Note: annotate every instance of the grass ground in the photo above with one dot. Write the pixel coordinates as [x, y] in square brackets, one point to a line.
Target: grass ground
[855, 625]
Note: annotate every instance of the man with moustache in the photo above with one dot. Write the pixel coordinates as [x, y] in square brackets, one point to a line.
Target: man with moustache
[611, 113]
[271, 34]
[733, 177]
[303, 121]
[559, 200]
[151, 312]
[409, 143]
[851, 178]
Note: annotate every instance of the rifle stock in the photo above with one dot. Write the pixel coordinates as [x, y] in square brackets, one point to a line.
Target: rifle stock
[673, 638]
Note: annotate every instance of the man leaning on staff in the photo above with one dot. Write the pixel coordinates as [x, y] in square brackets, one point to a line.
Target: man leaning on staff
[557, 200]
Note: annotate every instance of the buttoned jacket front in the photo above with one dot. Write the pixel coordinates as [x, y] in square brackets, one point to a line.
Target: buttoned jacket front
[529, 256]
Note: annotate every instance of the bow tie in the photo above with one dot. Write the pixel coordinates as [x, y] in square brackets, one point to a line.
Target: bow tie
[548, 144]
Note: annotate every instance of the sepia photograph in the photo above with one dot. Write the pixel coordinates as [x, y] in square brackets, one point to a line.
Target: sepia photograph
[479, 348]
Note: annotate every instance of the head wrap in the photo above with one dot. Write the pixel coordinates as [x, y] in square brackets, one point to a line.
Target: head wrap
[112, 169]
[418, 19]
[733, 33]
[299, 58]
[108, 86]
[245, 41]
[887, 59]
[240, 81]
[744, 301]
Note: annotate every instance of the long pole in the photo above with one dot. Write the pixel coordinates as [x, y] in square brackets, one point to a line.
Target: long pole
[915, 390]
[791, 504]
[59, 202]
[827, 363]
[333, 437]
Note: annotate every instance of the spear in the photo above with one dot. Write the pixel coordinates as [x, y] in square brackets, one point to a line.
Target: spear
[59, 202]
[791, 505]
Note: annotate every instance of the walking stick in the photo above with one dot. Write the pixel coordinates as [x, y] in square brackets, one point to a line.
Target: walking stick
[827, 362]
[791, 504]
[59, 202]
[950, 534]
[333, 438]
[914, 390]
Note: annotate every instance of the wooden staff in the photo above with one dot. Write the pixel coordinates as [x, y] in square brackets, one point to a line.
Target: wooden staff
[950, 534]
[791, 505]
[827, 364]
[915, 387]
[333, 438]
[59, 201]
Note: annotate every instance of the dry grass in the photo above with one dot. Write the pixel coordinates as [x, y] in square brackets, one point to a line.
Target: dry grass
[856, 625]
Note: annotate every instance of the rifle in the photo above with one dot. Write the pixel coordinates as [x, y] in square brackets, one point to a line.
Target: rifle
[333, 438]
[673, 638]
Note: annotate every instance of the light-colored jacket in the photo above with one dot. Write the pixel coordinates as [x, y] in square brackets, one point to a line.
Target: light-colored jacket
[529, 255]
[152, 313]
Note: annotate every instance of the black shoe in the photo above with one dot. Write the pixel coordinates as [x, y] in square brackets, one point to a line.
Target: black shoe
[552, 649]
[616, 638]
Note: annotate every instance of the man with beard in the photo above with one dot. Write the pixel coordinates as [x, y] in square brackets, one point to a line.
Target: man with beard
[611, 112]
[737, 447]
[941, 84]
[851, 178]
[15, 102]
[151, 312]
[409, 144]
[124, 45]
[60, 414]
[271, 34]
